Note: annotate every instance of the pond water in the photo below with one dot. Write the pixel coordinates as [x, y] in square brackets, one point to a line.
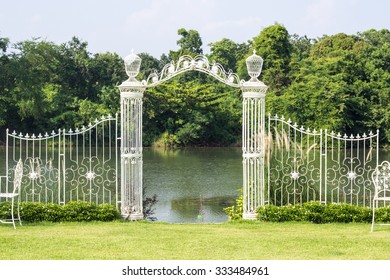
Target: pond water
[189, 182]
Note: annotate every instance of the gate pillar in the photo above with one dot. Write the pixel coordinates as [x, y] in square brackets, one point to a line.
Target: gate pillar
[131, 141]
[253, 138]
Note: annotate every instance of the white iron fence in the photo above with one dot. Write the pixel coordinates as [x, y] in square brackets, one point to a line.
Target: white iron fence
[67, 165]
[308, 165]
[302, 164]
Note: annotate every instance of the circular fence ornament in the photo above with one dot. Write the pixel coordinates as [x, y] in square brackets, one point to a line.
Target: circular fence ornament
[254, 64]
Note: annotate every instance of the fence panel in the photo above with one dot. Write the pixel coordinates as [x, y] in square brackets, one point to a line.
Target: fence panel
[349, 164]
[294, 162]
[306, 165]
[67, 165]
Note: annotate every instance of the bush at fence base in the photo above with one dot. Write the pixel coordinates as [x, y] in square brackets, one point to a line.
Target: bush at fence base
[318, 213]
[75, 211]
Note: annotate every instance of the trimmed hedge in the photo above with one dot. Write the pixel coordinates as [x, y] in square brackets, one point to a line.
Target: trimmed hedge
[75, 211]
[318, 213]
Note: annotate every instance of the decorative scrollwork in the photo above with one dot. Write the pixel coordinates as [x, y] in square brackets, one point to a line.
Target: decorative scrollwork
[293, 162]
[187, 63]
[69, 165]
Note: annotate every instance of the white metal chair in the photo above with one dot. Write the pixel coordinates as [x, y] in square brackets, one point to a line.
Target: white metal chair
[381, 180]
[15, 194]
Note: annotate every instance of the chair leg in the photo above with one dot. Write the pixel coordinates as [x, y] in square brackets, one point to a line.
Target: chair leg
[20, 220]
[373, 216]
[12, 213]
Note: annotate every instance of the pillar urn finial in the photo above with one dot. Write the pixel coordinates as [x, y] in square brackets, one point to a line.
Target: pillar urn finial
[132, 65]
[254, 64]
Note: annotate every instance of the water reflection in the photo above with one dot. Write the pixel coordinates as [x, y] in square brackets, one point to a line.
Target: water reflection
[187, 181]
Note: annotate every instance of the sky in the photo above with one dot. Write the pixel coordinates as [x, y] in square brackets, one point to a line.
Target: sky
[150, 26]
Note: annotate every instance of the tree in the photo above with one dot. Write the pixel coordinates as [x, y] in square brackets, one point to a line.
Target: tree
[228, 53]
[189, 44]
[376, 61]
[35, 88]
[6, 82]
[274, 46]
[149, 64]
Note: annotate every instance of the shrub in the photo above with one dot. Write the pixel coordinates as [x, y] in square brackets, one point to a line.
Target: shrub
[75, 211]
[316, 212]
[286, 213]
[235, 212]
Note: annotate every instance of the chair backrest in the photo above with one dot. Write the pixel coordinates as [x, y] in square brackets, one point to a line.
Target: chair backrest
[18, 177]
[381, 179]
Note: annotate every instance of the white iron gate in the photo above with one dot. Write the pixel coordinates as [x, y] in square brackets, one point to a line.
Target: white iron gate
[67, 165]
[308, 165]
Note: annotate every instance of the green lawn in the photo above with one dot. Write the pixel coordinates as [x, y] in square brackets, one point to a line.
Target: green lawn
[142, 240]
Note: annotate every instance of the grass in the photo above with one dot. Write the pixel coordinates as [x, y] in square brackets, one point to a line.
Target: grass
[150, 241]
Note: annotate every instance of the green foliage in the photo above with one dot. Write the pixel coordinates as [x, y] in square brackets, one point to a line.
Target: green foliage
[339, 82]
[274, 46]
[318, 213]
[190, 43]
[234, 212]
[228, 53]
[76, 211]
[335, 84]
[271, 213]
[148, 207]
[177, 114]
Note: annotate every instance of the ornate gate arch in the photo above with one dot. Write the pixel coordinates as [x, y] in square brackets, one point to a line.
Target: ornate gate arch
[253, 127]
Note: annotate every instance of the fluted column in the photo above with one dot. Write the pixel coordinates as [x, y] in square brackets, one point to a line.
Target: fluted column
[253, 138]
[131, 141]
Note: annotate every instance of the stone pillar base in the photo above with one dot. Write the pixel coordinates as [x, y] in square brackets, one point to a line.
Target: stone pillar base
[133, 217]
[249, 216]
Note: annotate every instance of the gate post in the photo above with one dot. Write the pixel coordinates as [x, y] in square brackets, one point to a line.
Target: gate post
[131, 140]
[253, 138]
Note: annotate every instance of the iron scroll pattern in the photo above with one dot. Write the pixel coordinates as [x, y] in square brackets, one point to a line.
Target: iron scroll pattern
[294, 169]
[40, 157]
[350, 162]
[308, 165]
[90, 169]
[198, 63]
[68, 165]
